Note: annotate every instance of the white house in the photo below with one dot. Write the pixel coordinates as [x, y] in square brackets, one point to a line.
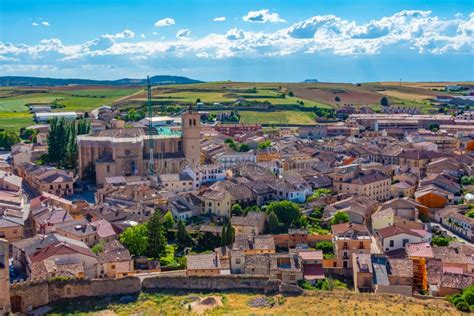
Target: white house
[232, 158]
[396, 237]
[210, 174]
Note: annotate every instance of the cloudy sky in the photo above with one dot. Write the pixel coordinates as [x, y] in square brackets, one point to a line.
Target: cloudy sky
[343, 41]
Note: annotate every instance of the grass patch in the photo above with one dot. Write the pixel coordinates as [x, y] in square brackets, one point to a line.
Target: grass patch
[278, 117]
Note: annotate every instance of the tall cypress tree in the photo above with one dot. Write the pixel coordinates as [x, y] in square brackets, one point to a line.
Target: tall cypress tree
[156, 236]
[182, 236]
[224, 236]
[230, 232]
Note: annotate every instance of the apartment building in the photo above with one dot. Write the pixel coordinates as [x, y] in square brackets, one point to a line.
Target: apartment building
[349, 239]
[352, 180]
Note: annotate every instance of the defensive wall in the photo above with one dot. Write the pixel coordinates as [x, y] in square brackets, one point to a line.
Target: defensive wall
[29, 295]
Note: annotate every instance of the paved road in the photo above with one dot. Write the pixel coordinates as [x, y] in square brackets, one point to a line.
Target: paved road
[451, 234]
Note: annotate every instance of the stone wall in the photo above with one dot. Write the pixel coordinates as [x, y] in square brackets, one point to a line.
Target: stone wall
[27, 296]
[211, 283]
[32, 294]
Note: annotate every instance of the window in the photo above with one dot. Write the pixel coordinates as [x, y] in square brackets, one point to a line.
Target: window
[392, 243]
[113, 266]
[237, 261]
[108, 168]
[344, 264]
[292, 277]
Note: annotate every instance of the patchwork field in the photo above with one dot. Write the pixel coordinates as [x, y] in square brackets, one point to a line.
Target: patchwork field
[315, 303]
[14, 113]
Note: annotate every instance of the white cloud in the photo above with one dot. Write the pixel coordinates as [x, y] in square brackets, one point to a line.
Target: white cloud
[235, 34]
[34, 24]
[417, 31]
[124, 34]
[219, 19]
[165, 22]
[262, 16]
[45, 23]
[183, 33]
[142, 35]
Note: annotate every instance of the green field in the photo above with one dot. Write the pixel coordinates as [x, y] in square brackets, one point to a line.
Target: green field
[14, 111]
[278, 117]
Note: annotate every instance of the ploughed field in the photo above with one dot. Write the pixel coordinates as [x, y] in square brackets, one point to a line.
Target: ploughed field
[312, 303]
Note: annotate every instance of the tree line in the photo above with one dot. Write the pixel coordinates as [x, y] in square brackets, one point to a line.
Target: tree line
[62, 142]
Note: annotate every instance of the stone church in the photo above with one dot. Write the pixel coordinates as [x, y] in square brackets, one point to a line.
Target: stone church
[127, 151]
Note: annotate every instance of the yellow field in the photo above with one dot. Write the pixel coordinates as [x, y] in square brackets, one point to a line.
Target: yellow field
[406, 95]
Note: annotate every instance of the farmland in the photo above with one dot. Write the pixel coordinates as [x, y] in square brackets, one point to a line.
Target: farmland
[316, 303]
[13, 101]
[287, 98]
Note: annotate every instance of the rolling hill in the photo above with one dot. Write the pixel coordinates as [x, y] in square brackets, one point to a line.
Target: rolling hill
[37, 81]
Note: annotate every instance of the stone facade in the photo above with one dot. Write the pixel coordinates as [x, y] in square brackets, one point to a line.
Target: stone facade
[27, 296]
[126, 151]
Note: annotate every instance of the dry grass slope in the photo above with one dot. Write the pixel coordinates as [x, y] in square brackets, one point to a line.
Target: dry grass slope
[312, 303]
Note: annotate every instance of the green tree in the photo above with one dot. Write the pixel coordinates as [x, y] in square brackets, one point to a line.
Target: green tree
[135, 238]
[70, 160]
[340, 217]
[230, 232]
[244, 148]
[57, 141]
[8, 139]
[384, 101]
[272, 223]
[319, 193]
[291, 94]
[168, 220]
[286, 211]
[337, 99]
[224, 236]
[318, 212]
[434, 127]
[236, 209]
[156, 236]
[183, 238]
[98, 248]
[441, 241]
[325, 246]
[470, 214]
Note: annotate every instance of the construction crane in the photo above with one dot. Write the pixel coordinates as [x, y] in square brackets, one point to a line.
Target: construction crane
[149, 107]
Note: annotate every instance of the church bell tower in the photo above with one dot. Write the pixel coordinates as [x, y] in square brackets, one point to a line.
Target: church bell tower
[191, 127]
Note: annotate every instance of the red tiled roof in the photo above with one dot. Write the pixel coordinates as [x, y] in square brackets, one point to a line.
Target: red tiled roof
[60, 248]
[419, 249]
[397, 230]
[313, 271]
[311, 255]
[455, 270]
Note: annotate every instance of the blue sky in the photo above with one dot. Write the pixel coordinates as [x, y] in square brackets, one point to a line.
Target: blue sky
[343, 41]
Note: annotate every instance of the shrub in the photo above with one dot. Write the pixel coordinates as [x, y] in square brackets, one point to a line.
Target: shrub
[463, 306]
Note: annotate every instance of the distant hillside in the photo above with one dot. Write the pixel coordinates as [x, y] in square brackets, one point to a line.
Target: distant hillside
[36, 81]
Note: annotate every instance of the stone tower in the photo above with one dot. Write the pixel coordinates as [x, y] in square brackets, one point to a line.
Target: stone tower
[191, 126]
[4, 278]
